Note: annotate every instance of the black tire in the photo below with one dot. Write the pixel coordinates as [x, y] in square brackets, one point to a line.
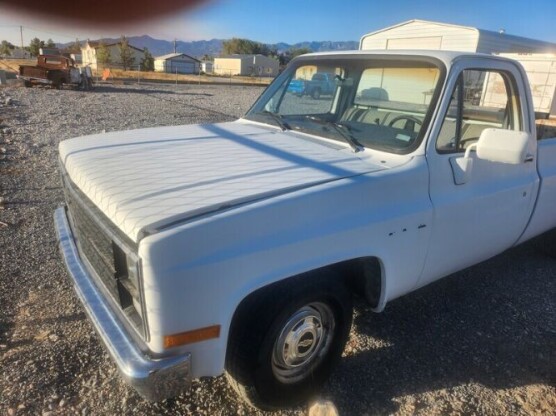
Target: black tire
[315, 94]
[265, 363]
[27, 84]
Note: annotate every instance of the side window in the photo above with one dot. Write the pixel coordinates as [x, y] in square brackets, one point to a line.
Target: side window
[481, 99]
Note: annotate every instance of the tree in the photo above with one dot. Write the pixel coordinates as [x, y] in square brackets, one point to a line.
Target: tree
[126, 54]
[50, 43]
[103, 54]
[75, 47]
[287, 56]
[293, 52]
[244, 46]
[147, 62]
[6, 48]
[35, 45]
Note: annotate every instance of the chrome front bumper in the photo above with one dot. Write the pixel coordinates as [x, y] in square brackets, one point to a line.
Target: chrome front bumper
[154, 379]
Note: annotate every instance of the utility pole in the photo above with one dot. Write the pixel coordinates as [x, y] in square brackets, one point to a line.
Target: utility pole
[21, 33]
[175, 45]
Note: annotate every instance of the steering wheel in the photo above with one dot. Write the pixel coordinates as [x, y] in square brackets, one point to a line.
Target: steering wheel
[410, 122]
[465, 142]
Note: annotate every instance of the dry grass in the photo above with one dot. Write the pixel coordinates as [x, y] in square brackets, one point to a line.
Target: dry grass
[161, 76]
[12, 65]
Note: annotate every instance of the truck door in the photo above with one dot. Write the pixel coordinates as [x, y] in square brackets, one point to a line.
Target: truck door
[485, 215]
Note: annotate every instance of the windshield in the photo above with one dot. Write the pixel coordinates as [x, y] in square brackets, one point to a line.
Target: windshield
[383, 103]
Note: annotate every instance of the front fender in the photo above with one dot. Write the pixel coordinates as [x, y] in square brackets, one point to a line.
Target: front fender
[198, 273]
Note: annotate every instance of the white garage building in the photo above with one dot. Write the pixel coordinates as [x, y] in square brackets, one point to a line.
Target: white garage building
[177, 62]
[538, 57]
[423, 34]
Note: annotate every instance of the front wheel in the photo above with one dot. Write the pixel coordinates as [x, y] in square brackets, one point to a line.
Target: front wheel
[284, 344]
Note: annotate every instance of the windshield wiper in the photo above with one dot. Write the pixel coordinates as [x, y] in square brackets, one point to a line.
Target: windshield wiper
[342, 130]
[278, 119]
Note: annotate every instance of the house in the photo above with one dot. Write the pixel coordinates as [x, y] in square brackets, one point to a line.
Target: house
[18, 53]
[423, 34]
[250, 65]
[76, 58]
[177, 63]
[89, 54]
[207, 67]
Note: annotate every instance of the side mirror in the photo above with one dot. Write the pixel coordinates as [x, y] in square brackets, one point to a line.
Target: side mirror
[503, 146]
[495, 145]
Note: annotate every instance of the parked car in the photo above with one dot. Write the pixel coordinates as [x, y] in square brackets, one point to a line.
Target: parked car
[237, 247]
[297, 87]
[320, 84]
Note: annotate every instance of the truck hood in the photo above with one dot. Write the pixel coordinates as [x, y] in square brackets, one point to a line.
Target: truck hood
[145, 179]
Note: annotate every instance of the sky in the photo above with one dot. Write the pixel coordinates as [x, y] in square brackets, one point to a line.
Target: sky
[293, 21]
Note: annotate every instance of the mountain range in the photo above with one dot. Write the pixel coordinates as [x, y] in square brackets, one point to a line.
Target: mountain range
[213, 47]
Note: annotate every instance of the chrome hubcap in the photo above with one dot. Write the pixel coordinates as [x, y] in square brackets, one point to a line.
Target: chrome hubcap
[303, 342]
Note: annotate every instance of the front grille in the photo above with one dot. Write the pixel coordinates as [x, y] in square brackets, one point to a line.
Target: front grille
[94, 245]
[106, 252]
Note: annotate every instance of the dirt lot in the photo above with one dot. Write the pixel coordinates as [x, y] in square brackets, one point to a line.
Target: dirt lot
[482, 341]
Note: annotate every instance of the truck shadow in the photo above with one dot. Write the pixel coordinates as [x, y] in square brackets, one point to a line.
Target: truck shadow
[492, 325]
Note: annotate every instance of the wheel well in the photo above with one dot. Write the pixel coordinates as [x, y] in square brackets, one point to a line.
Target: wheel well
[363, 277]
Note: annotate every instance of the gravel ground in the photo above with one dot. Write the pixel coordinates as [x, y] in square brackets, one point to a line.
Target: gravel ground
[482, 341]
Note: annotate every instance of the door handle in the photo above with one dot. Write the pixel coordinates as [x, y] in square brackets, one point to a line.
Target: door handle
[529, 158]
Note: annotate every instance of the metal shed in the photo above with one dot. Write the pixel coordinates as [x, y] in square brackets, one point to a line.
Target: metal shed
[177, 63]
[423, 34]
[249, 65]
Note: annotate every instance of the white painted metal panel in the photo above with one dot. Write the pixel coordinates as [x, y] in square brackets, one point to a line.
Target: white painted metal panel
[487, 214]
[170, 172]
[494, 42]
[454, 37]
[541, 71]
[412, 33]
[425, 42]
[216, 261]
[181, 66]
[544, 217]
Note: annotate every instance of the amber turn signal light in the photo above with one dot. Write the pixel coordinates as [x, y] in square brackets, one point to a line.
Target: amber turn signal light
[189, 337]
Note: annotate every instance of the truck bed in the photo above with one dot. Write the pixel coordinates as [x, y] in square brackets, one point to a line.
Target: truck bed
[546, 128]
[33, 71]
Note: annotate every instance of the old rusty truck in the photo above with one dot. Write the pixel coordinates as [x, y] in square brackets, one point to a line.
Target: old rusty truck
[236, 248]
[55, 71]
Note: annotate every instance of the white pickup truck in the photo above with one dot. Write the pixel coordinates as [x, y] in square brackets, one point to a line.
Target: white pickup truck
[237, 247]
